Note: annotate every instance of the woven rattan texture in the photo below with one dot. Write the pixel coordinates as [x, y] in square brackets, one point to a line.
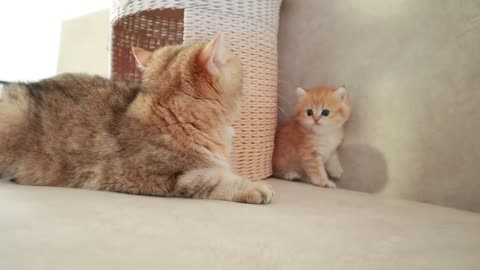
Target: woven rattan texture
[148, 29]
[250, 27]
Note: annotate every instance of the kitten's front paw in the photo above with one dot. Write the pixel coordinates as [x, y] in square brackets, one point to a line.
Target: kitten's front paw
[255, 193]
[335, 172]
[330, 184]
[326, 184]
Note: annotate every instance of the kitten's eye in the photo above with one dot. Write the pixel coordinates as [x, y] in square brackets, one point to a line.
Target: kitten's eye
[325, 112]
[309, 112]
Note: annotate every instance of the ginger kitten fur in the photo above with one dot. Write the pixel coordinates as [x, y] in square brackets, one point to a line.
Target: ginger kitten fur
[169, 136]
[306, 144]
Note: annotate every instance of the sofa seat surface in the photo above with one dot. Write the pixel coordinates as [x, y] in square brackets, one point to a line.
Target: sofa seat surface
[305, 227]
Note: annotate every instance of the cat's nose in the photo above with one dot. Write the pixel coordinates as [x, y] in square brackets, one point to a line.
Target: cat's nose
[316, 120]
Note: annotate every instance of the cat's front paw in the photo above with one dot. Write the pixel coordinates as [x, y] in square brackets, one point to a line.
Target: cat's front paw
[255, 193]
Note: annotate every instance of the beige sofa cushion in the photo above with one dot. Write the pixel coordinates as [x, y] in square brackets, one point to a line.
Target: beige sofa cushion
[412, 68]
[304, 228]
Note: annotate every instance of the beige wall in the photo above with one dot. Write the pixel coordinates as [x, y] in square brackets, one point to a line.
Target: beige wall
[413, 71]
[84, 44]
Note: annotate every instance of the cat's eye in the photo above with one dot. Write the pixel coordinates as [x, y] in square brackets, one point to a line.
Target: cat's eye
[325, 112]
[309, 112]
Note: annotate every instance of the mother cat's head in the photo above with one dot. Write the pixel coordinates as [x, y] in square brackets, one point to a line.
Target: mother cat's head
[194, 77]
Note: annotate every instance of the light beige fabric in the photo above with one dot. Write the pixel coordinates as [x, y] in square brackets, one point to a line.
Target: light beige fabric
[305, 227]
[412, 68]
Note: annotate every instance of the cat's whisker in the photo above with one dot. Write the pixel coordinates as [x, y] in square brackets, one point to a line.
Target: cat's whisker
[282, 98]
[280, 109]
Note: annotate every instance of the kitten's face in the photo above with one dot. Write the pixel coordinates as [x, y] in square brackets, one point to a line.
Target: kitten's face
[321, 109]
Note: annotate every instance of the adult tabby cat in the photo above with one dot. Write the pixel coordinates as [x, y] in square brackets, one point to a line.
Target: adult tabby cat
[169, 136]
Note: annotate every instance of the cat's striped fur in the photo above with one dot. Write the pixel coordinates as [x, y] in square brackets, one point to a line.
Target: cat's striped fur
[168, 136]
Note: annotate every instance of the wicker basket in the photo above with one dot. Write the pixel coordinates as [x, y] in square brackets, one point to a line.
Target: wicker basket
[250, 27]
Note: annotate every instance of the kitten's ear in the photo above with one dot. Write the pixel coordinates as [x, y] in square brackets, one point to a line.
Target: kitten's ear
[141, 56]
[301, 92]
[214, 55]
[341, 93]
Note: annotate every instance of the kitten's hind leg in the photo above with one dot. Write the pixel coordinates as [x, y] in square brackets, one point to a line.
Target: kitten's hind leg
[292, 176]
[221, 184]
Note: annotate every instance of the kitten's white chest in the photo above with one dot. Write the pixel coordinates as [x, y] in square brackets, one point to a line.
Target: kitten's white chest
[325, 145]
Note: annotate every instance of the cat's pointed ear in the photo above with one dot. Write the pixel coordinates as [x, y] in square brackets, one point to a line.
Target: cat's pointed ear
[141, 56]
[341, 93]
[301, 92]
[214, 55]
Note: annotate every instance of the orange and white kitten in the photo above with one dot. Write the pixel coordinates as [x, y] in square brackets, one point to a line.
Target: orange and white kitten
[306, 144]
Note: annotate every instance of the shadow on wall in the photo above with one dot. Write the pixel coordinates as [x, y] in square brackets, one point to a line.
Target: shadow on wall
[365, 168]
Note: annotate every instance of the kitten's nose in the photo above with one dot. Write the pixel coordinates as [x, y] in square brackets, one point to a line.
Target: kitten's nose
[316, 120]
